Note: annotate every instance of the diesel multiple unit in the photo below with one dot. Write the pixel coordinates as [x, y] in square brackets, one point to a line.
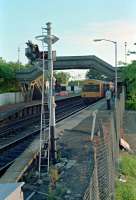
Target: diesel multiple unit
[94, 89]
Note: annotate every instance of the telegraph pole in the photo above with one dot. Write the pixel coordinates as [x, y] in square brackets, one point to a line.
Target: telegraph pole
[18, 60]
[125, 53]
[116, 74]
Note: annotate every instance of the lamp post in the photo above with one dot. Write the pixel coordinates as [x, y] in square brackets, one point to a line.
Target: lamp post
[116, 75]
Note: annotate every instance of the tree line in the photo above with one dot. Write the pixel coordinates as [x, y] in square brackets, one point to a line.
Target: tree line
[8, 81]
[129, 78]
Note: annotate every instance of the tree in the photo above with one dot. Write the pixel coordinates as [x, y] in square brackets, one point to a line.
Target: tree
[6, 71]
[93, 74]
[8, 80]
[76, 82]
[62, 77]
[129, 77]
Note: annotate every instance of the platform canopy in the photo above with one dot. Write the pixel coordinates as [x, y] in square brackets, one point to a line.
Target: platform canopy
[68, 62]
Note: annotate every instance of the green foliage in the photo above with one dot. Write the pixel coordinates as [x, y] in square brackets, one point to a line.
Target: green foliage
[76, 82]
[58, 155]
[57, 193]
[8, 82]
[128, 165]
[131, 104]
[129, 72]
[93, 74]
[7, 72]
[12, 87]
[129, 77]
[127, 190]
[62, 77]
[52, 195]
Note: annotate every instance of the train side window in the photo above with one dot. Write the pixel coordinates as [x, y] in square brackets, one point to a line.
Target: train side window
[91, 88]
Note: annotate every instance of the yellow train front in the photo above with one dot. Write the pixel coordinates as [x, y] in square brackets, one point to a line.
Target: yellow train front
[93, 90]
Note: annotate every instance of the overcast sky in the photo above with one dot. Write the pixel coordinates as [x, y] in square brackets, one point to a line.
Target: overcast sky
[76, 23]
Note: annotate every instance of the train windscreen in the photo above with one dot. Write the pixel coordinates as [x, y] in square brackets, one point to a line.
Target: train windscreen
[91, 88]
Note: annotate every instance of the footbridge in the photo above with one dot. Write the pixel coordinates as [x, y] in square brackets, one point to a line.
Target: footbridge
[68, 62]
[31, 77]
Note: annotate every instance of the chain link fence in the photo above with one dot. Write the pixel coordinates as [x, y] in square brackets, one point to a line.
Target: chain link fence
[102, 181]
[106, 152]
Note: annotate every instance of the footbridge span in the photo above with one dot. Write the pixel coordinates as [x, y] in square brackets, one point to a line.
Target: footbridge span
[68, 62]
[31, 76]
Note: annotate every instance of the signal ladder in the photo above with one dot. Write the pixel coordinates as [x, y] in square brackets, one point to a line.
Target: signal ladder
[44, 145]
[44, 140]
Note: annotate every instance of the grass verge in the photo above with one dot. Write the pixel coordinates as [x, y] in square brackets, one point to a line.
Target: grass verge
[127, 190]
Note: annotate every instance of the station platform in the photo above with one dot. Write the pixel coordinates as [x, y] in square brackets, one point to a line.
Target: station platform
[66, 126]
[11, 191]
[7, 110]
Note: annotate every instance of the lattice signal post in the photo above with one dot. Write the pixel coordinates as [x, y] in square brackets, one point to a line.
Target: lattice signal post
[49, 40]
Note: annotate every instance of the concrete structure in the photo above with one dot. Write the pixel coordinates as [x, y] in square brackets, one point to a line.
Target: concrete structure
[28, 77]
[11, 191]
[11, 98]
[11, 110]
[68, 62]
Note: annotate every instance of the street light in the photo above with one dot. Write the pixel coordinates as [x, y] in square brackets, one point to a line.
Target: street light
[115, 44]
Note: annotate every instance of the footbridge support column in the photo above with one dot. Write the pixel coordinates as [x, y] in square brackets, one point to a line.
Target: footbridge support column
[27, 91]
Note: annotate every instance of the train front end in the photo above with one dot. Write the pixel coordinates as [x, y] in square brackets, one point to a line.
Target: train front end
[92, 90]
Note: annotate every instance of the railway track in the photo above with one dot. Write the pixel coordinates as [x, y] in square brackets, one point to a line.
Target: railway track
[11, 150]
[13, 127]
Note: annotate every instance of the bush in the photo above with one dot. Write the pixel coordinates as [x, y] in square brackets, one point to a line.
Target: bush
[8, 82]
[127, 190]
[128, 165]
[131, 104]
[11, 86]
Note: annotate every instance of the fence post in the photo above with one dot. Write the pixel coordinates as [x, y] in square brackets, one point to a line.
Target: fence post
[123, 98]
[93, 124]
[113, 150]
